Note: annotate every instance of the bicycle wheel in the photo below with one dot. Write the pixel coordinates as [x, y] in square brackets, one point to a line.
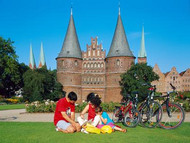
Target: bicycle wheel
[115, 115]
[151, 114]
[131, 118]
[172, 117]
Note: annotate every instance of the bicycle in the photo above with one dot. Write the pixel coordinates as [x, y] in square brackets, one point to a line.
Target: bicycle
[150, 110]
[127, 113]
[173, 114]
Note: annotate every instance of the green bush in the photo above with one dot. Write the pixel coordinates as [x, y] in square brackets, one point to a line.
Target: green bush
[186, 105]
[80, 107]
[49, 106]
[108, 107]
[41, 107]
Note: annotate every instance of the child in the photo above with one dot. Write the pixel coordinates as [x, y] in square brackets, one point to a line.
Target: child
[102, 119]
[93, 102]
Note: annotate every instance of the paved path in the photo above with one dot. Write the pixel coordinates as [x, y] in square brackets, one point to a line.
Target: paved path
[20, 115]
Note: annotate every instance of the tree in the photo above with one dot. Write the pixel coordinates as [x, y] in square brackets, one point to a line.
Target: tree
[40, 84]
[10, 70]
[57, 91]
[138, 78]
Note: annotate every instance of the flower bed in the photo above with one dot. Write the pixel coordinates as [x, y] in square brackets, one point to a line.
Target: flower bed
[49, 106]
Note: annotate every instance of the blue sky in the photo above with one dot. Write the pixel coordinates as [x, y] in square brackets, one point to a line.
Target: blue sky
[166, 22]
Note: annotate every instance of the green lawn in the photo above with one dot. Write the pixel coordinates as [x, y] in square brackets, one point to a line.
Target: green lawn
[45, 133]
[12, 106]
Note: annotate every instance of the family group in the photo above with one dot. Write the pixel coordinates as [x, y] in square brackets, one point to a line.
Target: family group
[64, 117]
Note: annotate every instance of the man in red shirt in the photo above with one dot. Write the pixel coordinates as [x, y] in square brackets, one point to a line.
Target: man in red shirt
[64, 117]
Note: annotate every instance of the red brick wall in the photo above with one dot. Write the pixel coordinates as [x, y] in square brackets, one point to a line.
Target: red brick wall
[93, 73]
[115, 66]
[142, 60]
[69, 75]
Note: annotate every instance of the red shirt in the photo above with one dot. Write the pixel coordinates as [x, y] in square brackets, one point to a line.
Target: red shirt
[91, 112]
[63, 106]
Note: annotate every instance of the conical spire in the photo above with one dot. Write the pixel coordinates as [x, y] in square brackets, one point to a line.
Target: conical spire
[42, 57]
[142, 52]
[119, 46]
[71, 47]
[32, 63]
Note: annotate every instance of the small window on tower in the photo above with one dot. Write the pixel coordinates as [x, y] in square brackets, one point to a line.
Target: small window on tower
[76, 63]
[63, 63]
[98, 65]
[102, 65]
[84, 65]
[118, 62]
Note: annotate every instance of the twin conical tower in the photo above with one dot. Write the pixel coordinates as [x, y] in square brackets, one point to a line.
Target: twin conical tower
[87, 72]
[32, 63]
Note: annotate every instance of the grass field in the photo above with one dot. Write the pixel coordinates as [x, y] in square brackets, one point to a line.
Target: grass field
[27, 132]
[12, 106]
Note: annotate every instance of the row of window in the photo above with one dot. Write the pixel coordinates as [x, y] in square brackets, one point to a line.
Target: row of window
[174, 77]
[94, 71]
[169, 87]
[92, 59]
[187, 80]
[95, 82]
[98, 79]
[75, 63]
[185, 85]
[93, 65]
[94, 53]
[173, 82]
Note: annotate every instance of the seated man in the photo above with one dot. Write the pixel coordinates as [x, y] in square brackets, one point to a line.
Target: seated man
[64, 117]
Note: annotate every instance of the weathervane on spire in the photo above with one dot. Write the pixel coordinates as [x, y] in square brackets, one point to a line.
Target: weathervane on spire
[71, 8]
[119, 7]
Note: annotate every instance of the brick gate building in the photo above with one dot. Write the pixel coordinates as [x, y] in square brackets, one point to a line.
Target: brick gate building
[93, 71]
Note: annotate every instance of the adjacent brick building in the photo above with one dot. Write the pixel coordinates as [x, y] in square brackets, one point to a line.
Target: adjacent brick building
[180, 80]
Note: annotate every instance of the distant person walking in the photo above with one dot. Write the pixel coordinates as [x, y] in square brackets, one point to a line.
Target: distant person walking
[64, 117]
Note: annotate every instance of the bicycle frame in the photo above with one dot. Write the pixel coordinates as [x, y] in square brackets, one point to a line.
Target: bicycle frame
[167, 102]
[126, 107]
[148, 99]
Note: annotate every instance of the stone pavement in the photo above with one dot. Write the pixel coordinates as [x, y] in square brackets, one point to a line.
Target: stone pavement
[20, 115]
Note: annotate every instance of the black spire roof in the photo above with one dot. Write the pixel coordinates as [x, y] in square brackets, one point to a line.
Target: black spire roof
[71, 47]
[119, 46]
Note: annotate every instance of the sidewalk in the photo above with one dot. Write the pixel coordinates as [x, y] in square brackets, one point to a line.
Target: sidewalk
[20, 115]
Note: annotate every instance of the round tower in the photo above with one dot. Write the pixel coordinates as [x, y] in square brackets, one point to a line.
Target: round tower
[119, 60]
[69, 62]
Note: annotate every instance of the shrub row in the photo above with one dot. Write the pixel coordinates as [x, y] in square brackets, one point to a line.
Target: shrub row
[13, 100]
[49, 106]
